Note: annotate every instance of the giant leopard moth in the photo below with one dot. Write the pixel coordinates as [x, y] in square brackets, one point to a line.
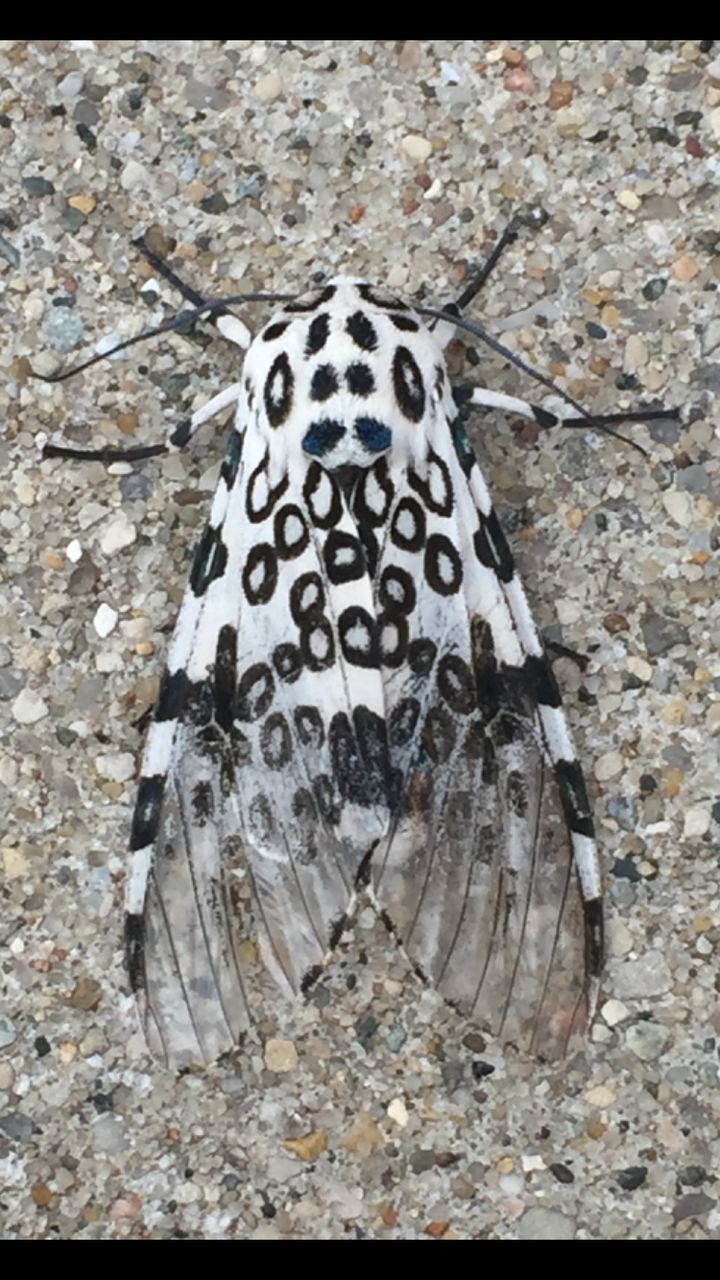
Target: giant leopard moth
[356, 699]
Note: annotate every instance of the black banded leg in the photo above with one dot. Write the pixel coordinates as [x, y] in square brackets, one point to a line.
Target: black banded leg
[176, 440]
[482, 396]
[227, 324]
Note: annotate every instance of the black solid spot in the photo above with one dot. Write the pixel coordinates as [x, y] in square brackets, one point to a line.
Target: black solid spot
[421, 656]
[443, 566]
[317, 643]
[313, 302]
[374, 495]
[435, 487]
[317, 334]
[260, 573]
[392, 629]
[324, 383]
[594, 941]
[225, 676]
[148, 806]
[307, 597]
[371, 734]
[438, 735]
[540, 681]
[135, 951]
[231, 462]
[291, 532]
[203, 802]
[180, 436]
[287, 661]
[403, 722]
[344, 557]
[408, 525]
[406, 323]
[408, 384]
[274, 331]
[278, 390]
[574, 797]
[267, 499]
[322, 497]
[456, 684]
[309, 726]
[358, 636]
[359, 379]
[381, 298]
[491, 547]
[490, 769]
[255, 692]
[362, 331]
[275, 741]
[210, 560]
[360, 780]
[322, 436]
[175, 692]
[396, 590]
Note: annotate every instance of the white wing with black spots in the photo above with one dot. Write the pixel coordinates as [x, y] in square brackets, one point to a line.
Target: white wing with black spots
[356, 692]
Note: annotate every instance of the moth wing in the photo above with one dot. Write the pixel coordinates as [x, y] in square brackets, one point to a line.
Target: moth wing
[479, 874]
[260, 793]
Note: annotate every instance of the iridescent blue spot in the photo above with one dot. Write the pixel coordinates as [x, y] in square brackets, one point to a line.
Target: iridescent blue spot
[463, 448]
[322, 436]
[374, 435]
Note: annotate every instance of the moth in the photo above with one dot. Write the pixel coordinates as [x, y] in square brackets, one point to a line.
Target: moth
[357, 702]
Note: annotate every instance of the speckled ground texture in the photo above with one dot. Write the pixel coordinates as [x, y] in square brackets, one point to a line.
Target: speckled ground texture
[372, 1111]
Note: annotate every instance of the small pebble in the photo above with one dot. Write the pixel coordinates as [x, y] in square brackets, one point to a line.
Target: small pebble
[116, 767]
[417, 148]
[540, 1223]
[608, 766]
[62, 329]
[269, 87]
[120, 533]
[600, 1096]
[647, 976]
[685, 268]
[632, 1178]
[629, 200]
[8, 1035]
[614, 1012]
[398, 1112]
[697, 821]
[71, 85]
[280, 1055]
[105, 620]
[29, 707]
[646, 1040]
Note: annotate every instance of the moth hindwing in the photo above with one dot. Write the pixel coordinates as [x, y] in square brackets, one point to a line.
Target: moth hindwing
[356, 698]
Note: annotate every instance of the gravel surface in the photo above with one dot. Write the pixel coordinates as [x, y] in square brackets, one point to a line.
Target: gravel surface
[372, 1111]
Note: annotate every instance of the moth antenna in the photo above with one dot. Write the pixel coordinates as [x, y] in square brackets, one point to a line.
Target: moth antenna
[175, 324]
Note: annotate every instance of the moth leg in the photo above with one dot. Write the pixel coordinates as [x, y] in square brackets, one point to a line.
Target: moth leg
[176, 440]
[225, 322]
[482, 396]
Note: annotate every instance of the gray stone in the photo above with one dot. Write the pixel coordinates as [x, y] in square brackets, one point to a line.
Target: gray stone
[62, 329]
[693, 1205]
[646, 1039]
[661, 633]
[545, 1224]
[17, 1125]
